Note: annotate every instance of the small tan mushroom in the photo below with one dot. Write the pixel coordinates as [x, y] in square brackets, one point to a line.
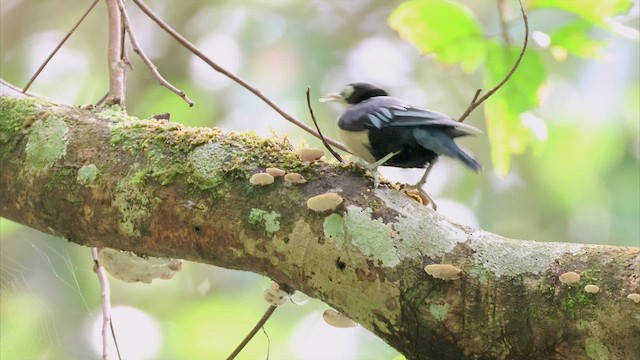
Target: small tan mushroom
[592, 289]
[634, 297]
[275, 297]
[446, 272]
[295, 178]
[261, 179]
[311, 154]
[275, 172]
[569, 278]
[324, 202]
[337, 319]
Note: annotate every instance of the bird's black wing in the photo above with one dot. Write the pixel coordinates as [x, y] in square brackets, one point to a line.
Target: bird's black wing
[384, 111]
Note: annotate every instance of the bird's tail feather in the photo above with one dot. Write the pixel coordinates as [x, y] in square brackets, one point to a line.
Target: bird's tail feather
[468, 160]
[442, 144]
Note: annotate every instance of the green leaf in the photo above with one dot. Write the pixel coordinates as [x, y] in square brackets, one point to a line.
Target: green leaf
[506, 133]
[595, 11]
[522, 88]
[444, 28]
[575, 40]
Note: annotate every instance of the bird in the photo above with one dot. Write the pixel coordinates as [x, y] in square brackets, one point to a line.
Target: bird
[384, 130]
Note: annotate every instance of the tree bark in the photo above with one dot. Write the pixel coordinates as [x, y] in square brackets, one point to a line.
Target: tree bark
[102, 178]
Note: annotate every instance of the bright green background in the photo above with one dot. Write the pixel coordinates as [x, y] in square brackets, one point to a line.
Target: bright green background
[560, 146]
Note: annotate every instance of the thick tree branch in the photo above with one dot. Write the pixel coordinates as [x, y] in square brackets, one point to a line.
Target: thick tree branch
[162, 189]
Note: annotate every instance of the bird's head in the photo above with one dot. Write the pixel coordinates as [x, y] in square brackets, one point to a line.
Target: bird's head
[355, 93]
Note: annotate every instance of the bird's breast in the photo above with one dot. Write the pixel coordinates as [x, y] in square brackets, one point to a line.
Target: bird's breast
[358, 143]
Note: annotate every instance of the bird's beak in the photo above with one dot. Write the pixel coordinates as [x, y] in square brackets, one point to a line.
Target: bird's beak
[331, 97]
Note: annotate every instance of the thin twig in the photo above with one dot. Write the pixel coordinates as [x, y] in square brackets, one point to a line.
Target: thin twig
[253, 331]
[53, 53]
[474, 104]
[115, 339]
[315, 122]
[106, 304]
[138, 50]
[114, 56]
[191, 47]
[504, 23]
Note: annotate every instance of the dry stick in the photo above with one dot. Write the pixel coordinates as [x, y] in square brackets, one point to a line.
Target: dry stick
[114, 57]
[474, 104]
[253, 331]
[138, 50]
[106, 305]
[53, 53]
[504, 27]
[184, 42]
[313, 117]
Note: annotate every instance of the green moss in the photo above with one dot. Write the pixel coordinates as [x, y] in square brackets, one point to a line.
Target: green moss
[87, 174]
[46, 144]
[439, 312]
[139, 177]
[113, 113]
[14, 113]
[333, 228]
[269, 219]
[595, 349]
[371, 236]
[574, 296]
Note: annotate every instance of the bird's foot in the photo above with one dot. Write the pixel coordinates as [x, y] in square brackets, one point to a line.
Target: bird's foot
[416, 192]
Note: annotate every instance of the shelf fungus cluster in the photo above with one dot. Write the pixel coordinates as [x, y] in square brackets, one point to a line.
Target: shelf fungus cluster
[569, 278]
[337, 319]
[129, 267]
[268, 177]
[445, 272]
[324, 202]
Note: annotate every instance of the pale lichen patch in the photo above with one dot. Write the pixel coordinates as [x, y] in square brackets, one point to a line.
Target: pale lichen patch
[269, 219]
[333, 228]
[507, 257]
[47, 143]
[371, 236]
[87, 174]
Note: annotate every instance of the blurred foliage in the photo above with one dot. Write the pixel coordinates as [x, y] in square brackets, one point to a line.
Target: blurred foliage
[564, 135]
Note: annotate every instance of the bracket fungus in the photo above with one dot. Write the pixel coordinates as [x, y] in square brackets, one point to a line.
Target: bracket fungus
[592, 289]
[311, 154]
[129, 267]
[275, 297]
[261, 179]
[337, 319]
[445, 272]
[569, 278]
[275, 172]
[324, 202]
[295, 178]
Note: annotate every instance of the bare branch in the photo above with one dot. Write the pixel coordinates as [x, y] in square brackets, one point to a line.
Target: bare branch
[253, 332]
[106, 302]
[53, 53]
[152, 67]
[114, 56]
[504, 23]
[474, 104]
[315, 122]
[191, 47]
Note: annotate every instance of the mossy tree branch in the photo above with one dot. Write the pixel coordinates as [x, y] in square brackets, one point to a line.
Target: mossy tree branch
[102, 178]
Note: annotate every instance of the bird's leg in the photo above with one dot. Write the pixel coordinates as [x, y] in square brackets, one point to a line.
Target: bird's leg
[418, 186]
[423, 179]
[374, 167]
